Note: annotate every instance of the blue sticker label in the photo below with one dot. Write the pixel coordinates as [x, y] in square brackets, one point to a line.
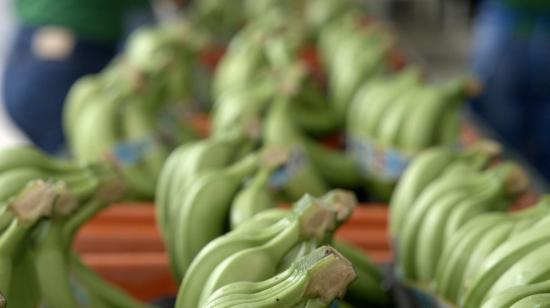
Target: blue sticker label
[297, 160]
[376, 161]
[132, 152]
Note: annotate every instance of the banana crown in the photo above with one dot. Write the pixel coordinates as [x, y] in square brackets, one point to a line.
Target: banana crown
[39, 199]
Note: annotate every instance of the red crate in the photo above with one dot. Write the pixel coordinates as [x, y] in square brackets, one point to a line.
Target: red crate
[124, 246]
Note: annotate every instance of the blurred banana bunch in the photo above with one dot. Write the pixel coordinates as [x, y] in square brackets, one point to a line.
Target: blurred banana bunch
[133, 112]
[43, 203]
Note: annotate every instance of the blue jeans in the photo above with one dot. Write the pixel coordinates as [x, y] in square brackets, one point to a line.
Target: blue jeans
[512, 58]
[35, 88]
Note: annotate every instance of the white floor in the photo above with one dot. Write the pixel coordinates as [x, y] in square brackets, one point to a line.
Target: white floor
[9, 135]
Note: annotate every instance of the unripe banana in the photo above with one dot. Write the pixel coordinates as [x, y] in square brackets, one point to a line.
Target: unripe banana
[213, 254]
[432, 232]
[279, 132]
[454, 188]
[322, 275]
[536, 300]
[27, 156]
[532, 268]
[77, 100]
[373, 99]
[337, 168]
[502, 258]
[389, 132]
[423, 124]
[202, 214]
[262, 260]
[96, 132]
[513, 295]
[252, 199]
[450, 272]
[424, 169]
[242, 62]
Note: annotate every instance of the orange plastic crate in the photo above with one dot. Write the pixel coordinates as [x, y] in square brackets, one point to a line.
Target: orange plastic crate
[124, 246]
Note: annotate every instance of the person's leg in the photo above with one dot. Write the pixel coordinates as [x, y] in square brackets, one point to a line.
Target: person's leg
[35, 87]
[539, 111]
[499, 62]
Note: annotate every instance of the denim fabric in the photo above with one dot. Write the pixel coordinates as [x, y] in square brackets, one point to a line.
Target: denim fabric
[511, 57]
[35, 88]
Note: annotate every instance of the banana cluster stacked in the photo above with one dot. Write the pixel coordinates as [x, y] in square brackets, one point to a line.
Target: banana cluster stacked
[455, 238]
[132, 113]
[44, 201]
[271, 246]
[393, 119]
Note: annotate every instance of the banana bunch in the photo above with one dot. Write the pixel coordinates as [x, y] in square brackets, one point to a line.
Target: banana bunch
[314, 280]
[478, 241]
[392, 119]
[133, 111]
[458, 195]
[37, 226]
[427, 168]
[260, 245]
[353, 55]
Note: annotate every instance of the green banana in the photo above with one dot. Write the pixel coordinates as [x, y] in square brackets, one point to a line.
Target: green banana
[24, 289]
[423, 170]
[202, 215]
[77, 101]
[530, 269]
[515, 182]
[241, 63]
[213, 254]
[358, 58]
[450, 272]
[502, 258]
[242, 107]
[279, 132]
[261, 220]
[10, 242]
[422, 125]
[421, 271]
[97, 131]
[487, 244]
[262, 260]
[322, 275]
[432, 235]
[336, 168]
[391, 128]
[537, 300]
[51, 264]
[372, 101]
[30, 157]
[515, 294]
[451, 188]
[253, 199]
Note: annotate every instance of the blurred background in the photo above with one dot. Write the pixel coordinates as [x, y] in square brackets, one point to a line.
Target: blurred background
[422, 24]
[437, 34]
